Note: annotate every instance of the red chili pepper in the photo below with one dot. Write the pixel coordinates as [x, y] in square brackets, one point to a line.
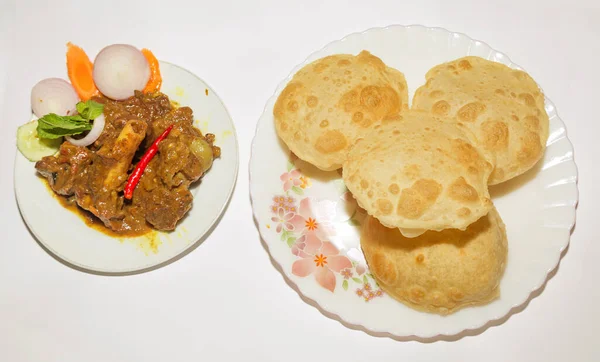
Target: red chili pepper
[136, 175]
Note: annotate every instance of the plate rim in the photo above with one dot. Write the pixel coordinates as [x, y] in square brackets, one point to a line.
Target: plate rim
[320, 305]
[190, 247]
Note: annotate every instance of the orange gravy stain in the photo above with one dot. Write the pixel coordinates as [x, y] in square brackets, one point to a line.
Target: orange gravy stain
[150, 242]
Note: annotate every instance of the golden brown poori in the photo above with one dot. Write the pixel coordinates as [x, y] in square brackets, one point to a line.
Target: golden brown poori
[438, 272]
[418, 172]
[330, 102]
[504, 107]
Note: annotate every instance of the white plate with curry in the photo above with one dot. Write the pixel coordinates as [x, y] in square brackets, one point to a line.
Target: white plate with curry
[75, 204]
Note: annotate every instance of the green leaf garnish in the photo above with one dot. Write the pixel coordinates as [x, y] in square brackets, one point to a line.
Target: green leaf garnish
[53, 126]
[90, 109]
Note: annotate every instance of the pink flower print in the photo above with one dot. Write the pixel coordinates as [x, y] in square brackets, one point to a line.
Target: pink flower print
[287, 203]
[307, 245]
[314, 217]
[323, 263]
[291, 179]
[367, 293]
[298, 248]
[283, 220]
[360, 269]
[347, 273]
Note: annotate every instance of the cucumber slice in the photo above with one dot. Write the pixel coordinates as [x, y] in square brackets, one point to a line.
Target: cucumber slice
[33, 147]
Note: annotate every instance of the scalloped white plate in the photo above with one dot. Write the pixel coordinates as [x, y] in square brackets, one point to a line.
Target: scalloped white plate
[67, 237]
[538, 207]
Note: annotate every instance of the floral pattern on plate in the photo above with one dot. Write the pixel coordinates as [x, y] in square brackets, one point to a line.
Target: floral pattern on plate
[307, 225]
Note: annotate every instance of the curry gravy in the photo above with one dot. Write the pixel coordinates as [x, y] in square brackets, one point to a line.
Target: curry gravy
[90, 219]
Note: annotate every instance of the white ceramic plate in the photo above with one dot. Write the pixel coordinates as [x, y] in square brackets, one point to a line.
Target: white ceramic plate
[537, 207]
[66, 236]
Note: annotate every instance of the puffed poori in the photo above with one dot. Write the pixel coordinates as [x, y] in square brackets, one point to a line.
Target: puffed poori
[504, 107]
[438, 272]
[330, 102]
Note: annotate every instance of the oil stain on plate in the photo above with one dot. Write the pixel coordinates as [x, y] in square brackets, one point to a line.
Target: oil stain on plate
[226, 134]
[179, 92]
[148, 243]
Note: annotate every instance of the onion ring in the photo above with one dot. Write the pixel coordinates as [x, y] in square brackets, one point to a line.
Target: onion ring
[92, 135]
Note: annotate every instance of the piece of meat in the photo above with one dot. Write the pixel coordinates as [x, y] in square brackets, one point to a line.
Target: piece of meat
[163, 206]
[186, 153]
[142, 106]
[65, 169]
[182, 158]
[99, 191]
[168, 206]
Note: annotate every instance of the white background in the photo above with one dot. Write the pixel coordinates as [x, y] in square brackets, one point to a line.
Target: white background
[225, 301]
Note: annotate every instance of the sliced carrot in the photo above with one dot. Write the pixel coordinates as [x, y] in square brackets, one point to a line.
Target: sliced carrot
[80, 71]
[155, 80]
